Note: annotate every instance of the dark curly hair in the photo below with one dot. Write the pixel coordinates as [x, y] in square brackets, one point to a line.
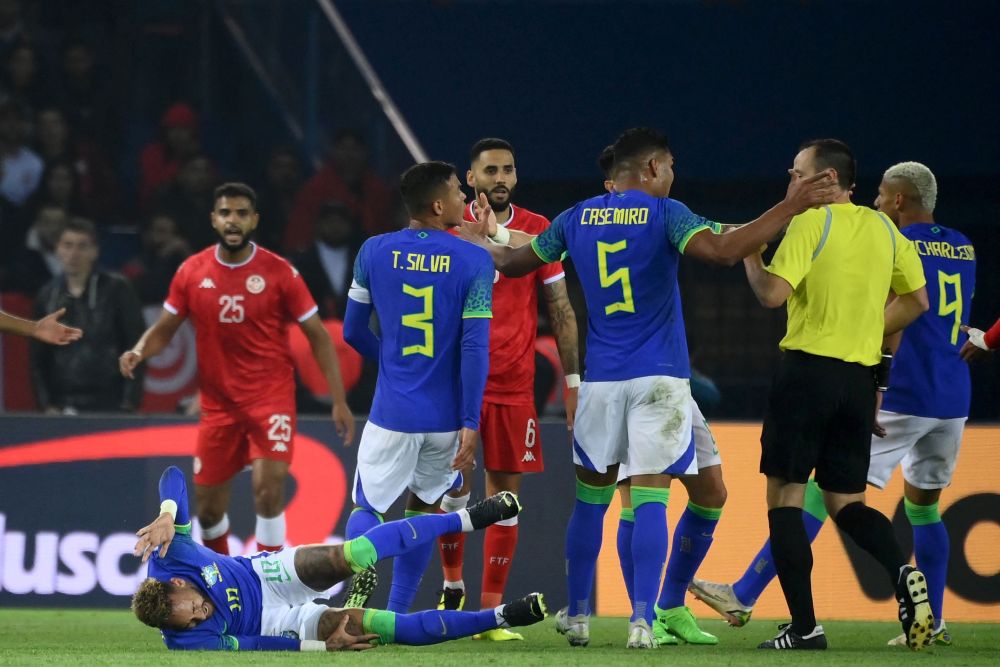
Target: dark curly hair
[151, 603]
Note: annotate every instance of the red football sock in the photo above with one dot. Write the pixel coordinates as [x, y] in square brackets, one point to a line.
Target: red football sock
[218, 544]
[498, 553]
[452, 548]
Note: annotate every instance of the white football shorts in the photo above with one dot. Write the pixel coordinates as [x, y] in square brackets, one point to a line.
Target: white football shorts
[705, 450]
[643, 423]
[288, 605]
[927, 448]
[390, 462]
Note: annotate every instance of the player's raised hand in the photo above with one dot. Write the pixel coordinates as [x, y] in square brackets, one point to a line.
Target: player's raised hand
[467, 440]
[160, 534]
[485, 215]
[342, 640]
[49, 330]
[816, 190]
[127, 363]
[477, 232]
[343, 421]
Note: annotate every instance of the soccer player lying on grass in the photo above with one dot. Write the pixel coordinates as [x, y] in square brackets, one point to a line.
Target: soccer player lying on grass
[202, 600]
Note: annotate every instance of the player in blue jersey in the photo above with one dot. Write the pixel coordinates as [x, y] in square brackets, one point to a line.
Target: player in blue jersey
[432, 294]
[922, 414]
[202, 600]
[693, 535]
[635, 401]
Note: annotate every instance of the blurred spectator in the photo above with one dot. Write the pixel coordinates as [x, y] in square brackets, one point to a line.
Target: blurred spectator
[97, 188]
[59, 188]
[34, 263]
[345, 177]
[188, 200]
[11, 26]
[85, 377]
[86, 96]
[21, 79]
[275, 196]
[21, 166]
[161, 160]
[328, 263]
[163, 250]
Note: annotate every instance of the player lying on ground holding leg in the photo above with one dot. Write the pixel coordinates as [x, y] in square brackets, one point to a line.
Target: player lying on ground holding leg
[203, 600]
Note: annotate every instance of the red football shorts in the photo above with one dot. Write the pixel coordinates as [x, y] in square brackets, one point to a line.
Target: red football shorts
[511, 442]
[225, 449]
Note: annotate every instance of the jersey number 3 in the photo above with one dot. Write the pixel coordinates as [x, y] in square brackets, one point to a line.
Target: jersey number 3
[626, 305]
[421, 321]
[947, 307]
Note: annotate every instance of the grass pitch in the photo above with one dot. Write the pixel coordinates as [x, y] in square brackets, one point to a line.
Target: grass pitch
[63, 637]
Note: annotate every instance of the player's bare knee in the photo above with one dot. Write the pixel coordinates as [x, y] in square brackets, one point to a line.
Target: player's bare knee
[268, 501]
[210, 516]
[837, 501]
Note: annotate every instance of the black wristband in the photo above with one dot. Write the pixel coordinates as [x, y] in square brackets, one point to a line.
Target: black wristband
[882, 372]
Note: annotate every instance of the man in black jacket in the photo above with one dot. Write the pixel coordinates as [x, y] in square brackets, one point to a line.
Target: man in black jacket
[85, 377]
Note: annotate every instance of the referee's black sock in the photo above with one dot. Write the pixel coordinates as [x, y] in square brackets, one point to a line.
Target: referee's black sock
[872, 531]
[793, 561]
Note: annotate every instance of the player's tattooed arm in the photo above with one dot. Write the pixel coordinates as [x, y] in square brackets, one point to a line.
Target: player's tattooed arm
[563, 322]
[320, 566]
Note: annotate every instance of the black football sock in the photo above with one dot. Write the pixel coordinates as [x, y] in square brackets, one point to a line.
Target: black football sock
[793, 561]
[872, 531]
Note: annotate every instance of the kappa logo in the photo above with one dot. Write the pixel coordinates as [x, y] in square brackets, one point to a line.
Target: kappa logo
[528, 458]
[207, 284]
[279, 447]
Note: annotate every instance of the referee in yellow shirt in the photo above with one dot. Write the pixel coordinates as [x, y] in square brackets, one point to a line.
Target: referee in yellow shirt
[835, 267]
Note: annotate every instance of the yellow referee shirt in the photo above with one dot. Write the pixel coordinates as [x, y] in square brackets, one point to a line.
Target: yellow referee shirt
[841, 261]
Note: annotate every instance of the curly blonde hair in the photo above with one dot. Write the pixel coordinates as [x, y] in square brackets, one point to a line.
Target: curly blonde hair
[920, 178]
[151, 602]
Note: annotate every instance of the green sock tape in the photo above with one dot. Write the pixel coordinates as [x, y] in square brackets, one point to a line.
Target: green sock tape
[409, 514]
[594, 495]
[710, 513]
[381, 519]
[382, 623]
[360, 553]
[921, 515]
[813, 503]
[648, 494]
[628, 514]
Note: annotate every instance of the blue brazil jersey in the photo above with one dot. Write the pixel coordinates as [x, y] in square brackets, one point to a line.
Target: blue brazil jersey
[230, 583]
[625, 247]
[422, 283]
[929, 379]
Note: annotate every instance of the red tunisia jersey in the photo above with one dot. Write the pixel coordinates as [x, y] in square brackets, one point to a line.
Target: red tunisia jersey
[515, 320]
[241, 314]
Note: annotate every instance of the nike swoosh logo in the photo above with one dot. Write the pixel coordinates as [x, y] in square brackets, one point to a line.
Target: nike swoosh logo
[414, 531]
[444, 628]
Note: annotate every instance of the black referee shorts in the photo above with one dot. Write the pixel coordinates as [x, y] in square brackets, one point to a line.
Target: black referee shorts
[819, 416]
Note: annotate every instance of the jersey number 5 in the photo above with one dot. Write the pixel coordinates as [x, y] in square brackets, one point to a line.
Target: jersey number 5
[619, 276]
[421, 321]
[947, 307]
